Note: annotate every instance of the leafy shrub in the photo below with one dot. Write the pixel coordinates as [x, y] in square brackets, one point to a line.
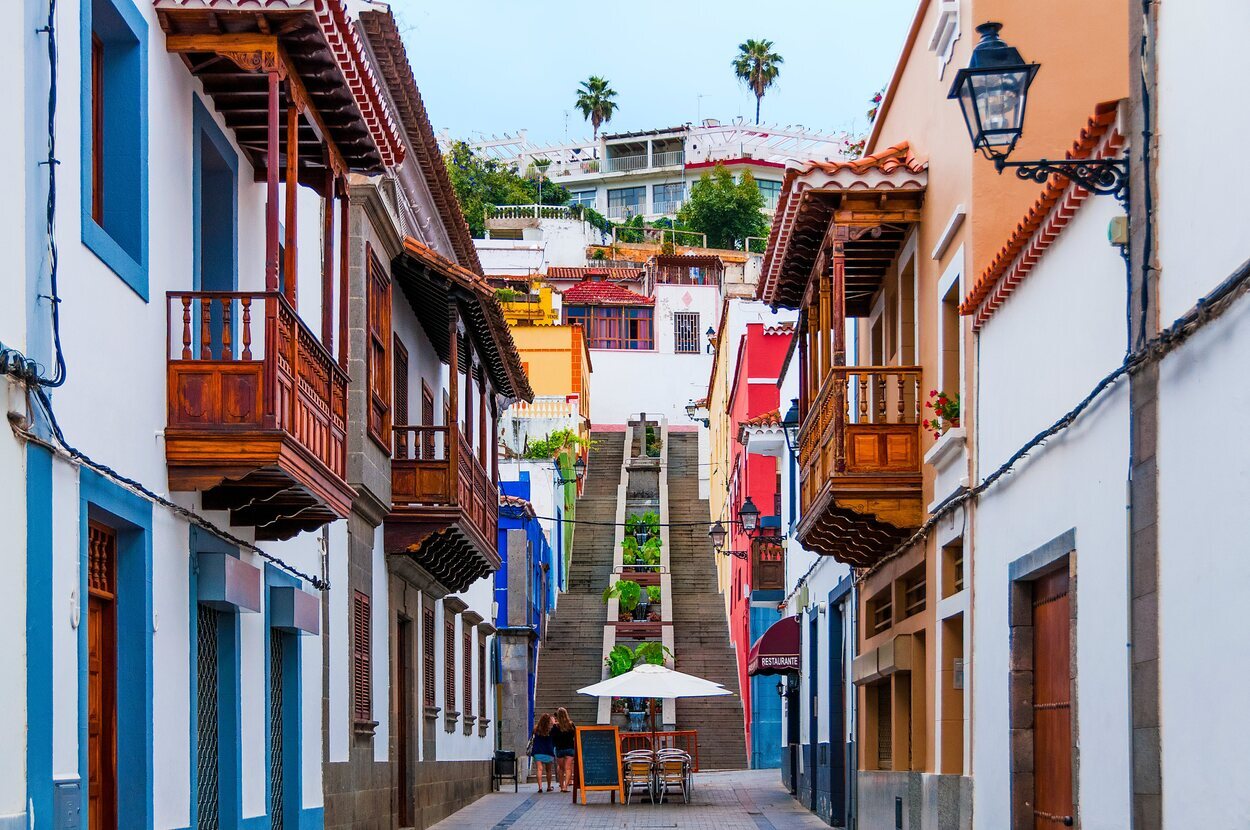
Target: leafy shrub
[553, 443]
[653, 593]
[627, 592]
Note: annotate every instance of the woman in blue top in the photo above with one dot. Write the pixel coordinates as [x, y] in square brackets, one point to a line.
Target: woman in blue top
[543, 749]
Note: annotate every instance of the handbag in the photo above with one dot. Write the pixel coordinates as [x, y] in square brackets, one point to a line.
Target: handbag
[529, 748]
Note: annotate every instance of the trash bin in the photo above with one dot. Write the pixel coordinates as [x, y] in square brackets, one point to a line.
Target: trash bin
[505, 768]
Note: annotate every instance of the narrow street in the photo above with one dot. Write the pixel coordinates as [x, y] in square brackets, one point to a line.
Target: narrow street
[736, 800]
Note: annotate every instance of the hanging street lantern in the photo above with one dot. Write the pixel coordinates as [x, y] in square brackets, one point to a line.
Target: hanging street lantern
[993, 93]
[717, 534]
[790, 424]
[749, 515]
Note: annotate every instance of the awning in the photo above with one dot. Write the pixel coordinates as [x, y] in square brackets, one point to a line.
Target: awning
[777, 650]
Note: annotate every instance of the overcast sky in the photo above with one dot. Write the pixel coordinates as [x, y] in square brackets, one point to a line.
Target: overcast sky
[497, 66]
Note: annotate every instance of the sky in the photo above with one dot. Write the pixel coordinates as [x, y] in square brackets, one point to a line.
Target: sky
[490, 67]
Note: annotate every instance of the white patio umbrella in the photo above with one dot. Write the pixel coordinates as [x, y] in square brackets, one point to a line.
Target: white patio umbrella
[652, 681]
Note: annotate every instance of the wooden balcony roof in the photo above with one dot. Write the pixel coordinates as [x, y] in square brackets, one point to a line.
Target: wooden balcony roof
[879, 196]
[231, 45]
[431, 283]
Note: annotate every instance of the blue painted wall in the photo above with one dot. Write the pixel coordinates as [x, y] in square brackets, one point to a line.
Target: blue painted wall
[765, 702]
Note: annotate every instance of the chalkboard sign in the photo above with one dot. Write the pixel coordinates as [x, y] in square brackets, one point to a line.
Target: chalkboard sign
[598, 760]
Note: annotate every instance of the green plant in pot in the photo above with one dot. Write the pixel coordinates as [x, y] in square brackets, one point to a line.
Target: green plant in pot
[627, 592]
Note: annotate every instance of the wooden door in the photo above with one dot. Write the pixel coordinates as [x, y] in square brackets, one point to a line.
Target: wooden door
[403, 717]
[399, 410]
[102, 677]
[1052, 705]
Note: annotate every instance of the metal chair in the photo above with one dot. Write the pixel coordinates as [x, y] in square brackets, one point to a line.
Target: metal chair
[674, 770]
[639, 767]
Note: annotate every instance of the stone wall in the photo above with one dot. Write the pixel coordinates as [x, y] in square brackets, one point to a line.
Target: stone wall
[443, 787]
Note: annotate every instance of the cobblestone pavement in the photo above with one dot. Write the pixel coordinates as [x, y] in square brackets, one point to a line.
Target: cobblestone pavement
[741, 800]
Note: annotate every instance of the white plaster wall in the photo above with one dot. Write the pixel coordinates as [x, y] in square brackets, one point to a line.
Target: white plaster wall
[13, 615]
[651, 382]
[380, 646]
[511, 256]
[1201, 223]
[457, 746]
[1204, 477]
[1041, 353]
[338, 691]
[113, 408]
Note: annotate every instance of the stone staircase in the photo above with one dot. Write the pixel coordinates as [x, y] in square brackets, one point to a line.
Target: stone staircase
[572, 655]
[700, 629]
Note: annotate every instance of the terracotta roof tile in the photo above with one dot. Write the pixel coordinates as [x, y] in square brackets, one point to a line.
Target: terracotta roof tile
[523, 505]
[581, 273]
[781, 328]
[887, 161]
[382, 31]
[767, 419]
[1041, 225]
[602, 292]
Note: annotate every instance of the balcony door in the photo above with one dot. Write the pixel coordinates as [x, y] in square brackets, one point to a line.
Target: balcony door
[102, 677]
[214, 189]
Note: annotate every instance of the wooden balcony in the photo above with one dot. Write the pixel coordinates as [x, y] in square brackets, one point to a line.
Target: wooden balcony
[446, 506]
[859, 454]
[256, 412]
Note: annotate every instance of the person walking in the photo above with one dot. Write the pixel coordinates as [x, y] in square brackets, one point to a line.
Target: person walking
[543, 750]
[564, 735]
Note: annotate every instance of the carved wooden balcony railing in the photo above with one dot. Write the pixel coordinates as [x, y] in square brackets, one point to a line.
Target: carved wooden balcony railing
[446, 507]
[256, 412]
[859, 455]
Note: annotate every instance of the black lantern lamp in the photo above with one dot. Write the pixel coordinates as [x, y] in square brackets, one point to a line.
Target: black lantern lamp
[579, 472]
[790, 425]
[993, 92]
[749, 515]
[717, 534]
[692, 409]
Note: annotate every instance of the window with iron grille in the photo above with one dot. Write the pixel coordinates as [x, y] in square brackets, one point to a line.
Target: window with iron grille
[276, 731]
[362, 702]
[399, 409]
[468, 671]
[449, 663]
[686, 332]
[482, 670]
[207, 768]
[378, 353]
[427, 656]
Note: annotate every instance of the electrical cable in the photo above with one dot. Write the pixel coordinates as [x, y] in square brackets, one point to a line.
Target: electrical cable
[1208, 308]
[136, 487]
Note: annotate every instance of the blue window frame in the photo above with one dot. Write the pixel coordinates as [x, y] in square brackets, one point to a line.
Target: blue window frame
[114, 140]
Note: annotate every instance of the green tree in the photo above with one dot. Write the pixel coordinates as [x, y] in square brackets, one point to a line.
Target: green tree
[594, 99]
[479, 182]
[727, 211]
[757, 66]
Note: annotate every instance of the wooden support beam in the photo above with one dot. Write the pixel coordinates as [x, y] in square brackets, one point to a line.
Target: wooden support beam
[292, 194]
[327, 265]
[271, 188]
[840, 235]
[344, 264]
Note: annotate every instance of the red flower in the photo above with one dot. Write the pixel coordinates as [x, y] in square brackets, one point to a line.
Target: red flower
[932, 392]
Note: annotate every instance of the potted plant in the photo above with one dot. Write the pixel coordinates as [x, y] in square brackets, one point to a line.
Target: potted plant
[945, 412]
[627, 592]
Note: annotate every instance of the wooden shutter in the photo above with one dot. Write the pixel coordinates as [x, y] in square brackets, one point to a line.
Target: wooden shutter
[885, 727]
[362, 703]
[482, 669]
[399, 411]
[377, 352]
[449, 663]
[1053, 800]
[468, 671]
[427, 656]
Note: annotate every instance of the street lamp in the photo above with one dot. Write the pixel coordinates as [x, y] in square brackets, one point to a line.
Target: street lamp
[749, 515]
[993, 93]
[717, 534]
[579, 471]
[790, 426]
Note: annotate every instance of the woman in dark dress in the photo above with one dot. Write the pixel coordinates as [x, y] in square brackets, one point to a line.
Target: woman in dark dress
[564, 734]
[543, 750]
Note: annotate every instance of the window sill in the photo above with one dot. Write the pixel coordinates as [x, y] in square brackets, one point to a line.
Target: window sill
[431, 712]
[449, 721]
[483, 726]
[469, 722]
[106, 249]
[364, 728]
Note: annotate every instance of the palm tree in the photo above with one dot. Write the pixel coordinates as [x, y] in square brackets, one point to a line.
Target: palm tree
[757, 66]
[594, 99]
